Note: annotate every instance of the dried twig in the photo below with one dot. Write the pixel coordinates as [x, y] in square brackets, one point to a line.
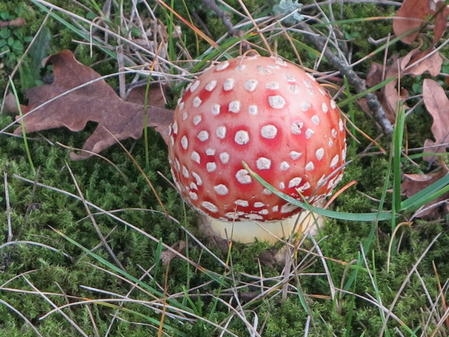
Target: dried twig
[346, 70]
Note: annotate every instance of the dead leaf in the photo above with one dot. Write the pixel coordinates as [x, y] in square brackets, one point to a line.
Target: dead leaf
[413, 183]
[19, 22]
[409, 18]
[389, 96]
[440, 21]
[437, 104]
[415, 63]
[168, 255]
[79, 95]
[413, 14]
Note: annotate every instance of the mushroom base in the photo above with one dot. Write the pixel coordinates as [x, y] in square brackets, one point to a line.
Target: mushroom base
[304, 223]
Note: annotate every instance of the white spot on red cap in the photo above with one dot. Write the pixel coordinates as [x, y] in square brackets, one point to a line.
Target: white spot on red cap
[252, 109]
[193, 186]
[309, 133]
[253, 216]
[222, 66]
[232, 216]
[281, 185]
[215, 110]
[284, 166]
[198, 179]
[319, 153]
[228, 84]
[177, 165]
[234, 106]
[296, 127]
[304, 106]
[243, 176]
[224, 157]
[294, 89]
[288, 208]
[269, 131]
[258, 204]
[272, 85]
[343, 154]
[221, 189]
[263, 163]
[294, 182]
[220, 132]
[324, 107]
[305, 187]
[185, 172]
[203, 135]
[194, 85]
[276, 101]
[290, 78]
[184, 142]
[210, 152]
[195, 156]
[211, 166]
[263, 70]
[197, 119]
[295, 155]
[241, 67]
[310, 166]
[341, 125]
[193, 195]
[250, 85]
[315, 120]
[196, 102]
[280, 62]
[185, 115]
[209, 206]
[242, 203]
[334, 161]
[334, 133]
[174, 127]
[333, 104]
[210, 86]
[241, 137]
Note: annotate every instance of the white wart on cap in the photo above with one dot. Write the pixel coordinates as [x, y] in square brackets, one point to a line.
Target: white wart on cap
[265, 112]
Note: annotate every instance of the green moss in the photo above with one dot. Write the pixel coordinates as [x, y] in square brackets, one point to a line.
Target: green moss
[343, 289]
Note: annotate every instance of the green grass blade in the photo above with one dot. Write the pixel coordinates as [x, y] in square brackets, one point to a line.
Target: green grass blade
[396, 156]
[431, 192]
[362, 217]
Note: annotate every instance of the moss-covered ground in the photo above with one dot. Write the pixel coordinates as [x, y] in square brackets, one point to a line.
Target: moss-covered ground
[84, 245]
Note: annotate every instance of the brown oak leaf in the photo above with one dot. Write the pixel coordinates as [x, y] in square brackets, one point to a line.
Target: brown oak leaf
[409, 18]
[437, 104]
[78, 95]
[440, 21]
[412, 15]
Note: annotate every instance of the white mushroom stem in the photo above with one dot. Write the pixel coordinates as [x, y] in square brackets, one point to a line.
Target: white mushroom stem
[304, 223]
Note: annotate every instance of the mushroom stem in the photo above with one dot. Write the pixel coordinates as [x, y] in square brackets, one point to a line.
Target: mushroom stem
[304, 223]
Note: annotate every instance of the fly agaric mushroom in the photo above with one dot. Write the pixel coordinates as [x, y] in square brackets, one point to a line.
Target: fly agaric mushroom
[277, 119]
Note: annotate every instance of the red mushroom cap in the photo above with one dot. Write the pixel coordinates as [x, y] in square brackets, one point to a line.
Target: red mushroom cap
[268, 113]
